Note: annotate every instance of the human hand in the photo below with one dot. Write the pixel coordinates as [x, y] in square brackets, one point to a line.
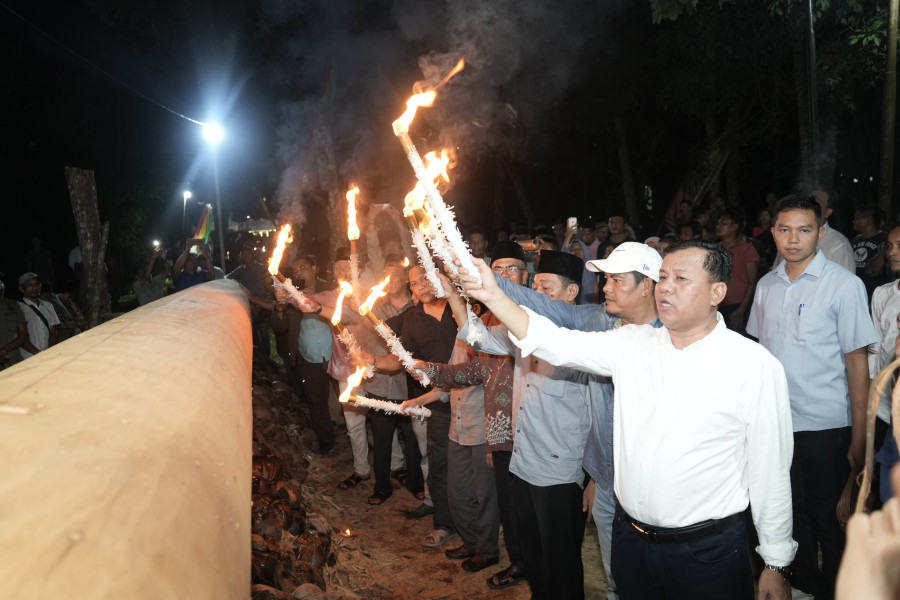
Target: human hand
[418, 370]
[773, 586]
[487, 289]
[871, 556]
[587, 499]
[489, 459]
[737, 318]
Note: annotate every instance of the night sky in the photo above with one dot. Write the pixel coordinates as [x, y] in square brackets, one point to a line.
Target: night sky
[113, 86]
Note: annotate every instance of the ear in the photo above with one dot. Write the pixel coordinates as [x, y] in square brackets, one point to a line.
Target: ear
[719, 290]
[647, 286]
[572, 292]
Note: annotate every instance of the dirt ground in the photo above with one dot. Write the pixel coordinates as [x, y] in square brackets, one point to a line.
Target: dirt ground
[383, 557]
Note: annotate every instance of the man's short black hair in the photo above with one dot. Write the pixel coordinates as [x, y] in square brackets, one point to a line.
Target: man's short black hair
[736, 215]
[310, 258]
[476, 229]
[874, 212]
[718, 262]
[799, 202]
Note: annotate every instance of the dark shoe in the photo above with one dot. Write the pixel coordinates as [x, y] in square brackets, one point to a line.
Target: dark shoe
[418, 492]
[351, 482]
[508, 577]
[459, 553]
[378, 498]
[400, 476]
[325, 449]
[478, 562]
[423, 510]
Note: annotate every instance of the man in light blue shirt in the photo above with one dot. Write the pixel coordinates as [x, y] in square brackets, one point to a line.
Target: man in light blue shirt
[812, 315]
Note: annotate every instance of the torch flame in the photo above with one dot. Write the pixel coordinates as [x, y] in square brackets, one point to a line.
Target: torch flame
[346, 289]
[352, 229]
[377, 292]
[414, 200]
[459, 67]
[284, 236]
[405, 262]
[426, 98]
[352, 383]
[401, 125]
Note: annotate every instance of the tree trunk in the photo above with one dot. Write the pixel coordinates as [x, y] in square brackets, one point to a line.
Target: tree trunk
[631, 205]
[523, 197]
[92, 238]
[714, 144]
[327, 171]
[888, 119]
[805, 177]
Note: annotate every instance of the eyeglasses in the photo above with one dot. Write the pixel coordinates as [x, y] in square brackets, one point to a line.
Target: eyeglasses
[510, 269]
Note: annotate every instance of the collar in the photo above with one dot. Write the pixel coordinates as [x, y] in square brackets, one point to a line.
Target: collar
[29, 301]
[815, 268]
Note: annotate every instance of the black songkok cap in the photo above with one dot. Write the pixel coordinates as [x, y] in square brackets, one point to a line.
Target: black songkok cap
[561, 263]
[507, 249]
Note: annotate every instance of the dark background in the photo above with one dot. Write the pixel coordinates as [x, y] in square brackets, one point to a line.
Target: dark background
[113, 86]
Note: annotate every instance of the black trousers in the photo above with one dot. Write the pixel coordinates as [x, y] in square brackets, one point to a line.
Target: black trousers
[551, 530]
[438, 438]
[383, 426]
[819, 472]
[506, 504]
[316, 385]
[710, 568]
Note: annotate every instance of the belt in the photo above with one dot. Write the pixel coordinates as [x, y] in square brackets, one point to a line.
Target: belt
[673, 535]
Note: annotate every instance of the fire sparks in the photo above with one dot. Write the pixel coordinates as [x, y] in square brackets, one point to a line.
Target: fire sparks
[352, 383]
[284, 236]
[346, 289]
[377, 292]
[352, 229]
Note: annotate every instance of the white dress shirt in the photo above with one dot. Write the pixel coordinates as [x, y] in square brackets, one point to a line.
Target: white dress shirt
[885, 308]
[699, 432]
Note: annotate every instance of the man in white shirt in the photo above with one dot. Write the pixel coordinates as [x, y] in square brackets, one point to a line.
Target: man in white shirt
[40, 315]
[702, 428]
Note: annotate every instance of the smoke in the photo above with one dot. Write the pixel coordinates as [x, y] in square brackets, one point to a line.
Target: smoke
[354, 65]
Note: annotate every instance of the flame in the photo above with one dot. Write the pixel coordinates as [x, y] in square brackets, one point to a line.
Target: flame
[426, 98]
[401, 125]
[405, 262]
[436, 168]
[459, 67]
[347, 532]
[352, 383]
[284, 236]
[414, 200]
[352, 229]
[346, 289]
[377, 292]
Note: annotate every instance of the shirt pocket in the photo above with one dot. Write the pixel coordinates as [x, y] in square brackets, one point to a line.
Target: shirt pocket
[810, 322]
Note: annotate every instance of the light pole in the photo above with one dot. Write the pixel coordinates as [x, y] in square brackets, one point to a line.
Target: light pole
[214, 134]
[186, 196]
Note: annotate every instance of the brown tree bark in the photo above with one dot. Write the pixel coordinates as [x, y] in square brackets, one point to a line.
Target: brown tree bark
[631, 205]
[92, 237]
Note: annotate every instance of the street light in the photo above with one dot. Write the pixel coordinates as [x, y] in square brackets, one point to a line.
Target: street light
[214, 134]
[187, 195]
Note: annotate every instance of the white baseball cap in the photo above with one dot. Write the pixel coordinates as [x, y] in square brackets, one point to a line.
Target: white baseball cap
[627, 257]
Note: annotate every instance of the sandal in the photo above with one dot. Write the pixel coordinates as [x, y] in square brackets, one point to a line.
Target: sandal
[438, 538]
[351, 482]
[418, 492]
[400, 476]
[508, 577]
[378, 498]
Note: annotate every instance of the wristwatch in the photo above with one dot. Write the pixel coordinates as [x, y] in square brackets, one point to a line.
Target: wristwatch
[783, 571]
[319, 310]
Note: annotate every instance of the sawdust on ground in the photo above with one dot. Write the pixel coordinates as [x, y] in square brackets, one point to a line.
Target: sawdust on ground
[383, 557]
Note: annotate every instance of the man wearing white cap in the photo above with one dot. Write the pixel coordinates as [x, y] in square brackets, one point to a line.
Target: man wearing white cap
[40, 315]
[632, 270]
[698, 436]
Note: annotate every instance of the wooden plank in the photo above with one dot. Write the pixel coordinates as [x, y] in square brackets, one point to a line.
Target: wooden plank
[130, 475]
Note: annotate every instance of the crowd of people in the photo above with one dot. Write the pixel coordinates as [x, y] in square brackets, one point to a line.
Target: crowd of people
[700, 395]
